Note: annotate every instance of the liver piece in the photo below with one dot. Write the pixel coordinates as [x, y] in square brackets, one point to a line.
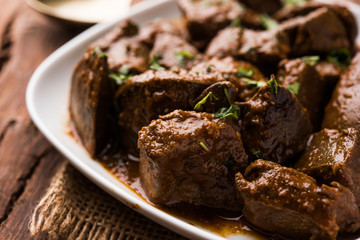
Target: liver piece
[191, 157]
[333, 155]
[282, 200]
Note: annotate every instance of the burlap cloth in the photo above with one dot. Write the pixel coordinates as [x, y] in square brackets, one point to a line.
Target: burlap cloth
[75, 208]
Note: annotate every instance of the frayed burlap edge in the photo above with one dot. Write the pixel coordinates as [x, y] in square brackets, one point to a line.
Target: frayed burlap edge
[74, 208]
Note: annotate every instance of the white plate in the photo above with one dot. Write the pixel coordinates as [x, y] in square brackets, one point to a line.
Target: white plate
[47, 99]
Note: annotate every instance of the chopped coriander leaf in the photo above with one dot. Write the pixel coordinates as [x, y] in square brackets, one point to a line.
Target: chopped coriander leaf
[293, 3]
[227, 95]
[97, 51]
[181, 56]
[235, 23]
[257, 153]
[155, 65]
[125, 69]
[122, 76]
[310, 60]
[204, 146]
[340, 57]
[294, 88]
[230, 112]
[243, 72]
[208, 69]
[273, 84]
[253, 83]
[268, 22]
[211, 97]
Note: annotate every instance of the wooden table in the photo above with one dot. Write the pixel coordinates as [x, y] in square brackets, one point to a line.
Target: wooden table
[27, 159]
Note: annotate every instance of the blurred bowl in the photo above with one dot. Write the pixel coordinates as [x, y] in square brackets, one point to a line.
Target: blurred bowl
[81, 11]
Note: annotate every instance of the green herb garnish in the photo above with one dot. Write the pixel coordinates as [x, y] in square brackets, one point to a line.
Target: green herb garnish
[294, 88]
[211, 97]
[243, 72]
[293, 3]
[204, 146]
[340, 57]
[155, 65]
[97, 51]
[268, 22]
[310, 60]
[235, 23]
[230, 112]
[122, 76]
[208, 69]
[257, 153]
[253, 83]
[182, 56]
[273, 85]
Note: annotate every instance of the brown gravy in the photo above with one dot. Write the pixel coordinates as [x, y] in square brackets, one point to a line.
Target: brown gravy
[220, 221]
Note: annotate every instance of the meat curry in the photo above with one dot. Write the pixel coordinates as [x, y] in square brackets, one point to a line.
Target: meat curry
[242, 106]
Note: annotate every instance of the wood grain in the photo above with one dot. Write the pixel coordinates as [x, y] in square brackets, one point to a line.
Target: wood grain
[27, 161]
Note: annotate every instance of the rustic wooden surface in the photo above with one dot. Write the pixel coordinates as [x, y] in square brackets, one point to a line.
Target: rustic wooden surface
[27, 160]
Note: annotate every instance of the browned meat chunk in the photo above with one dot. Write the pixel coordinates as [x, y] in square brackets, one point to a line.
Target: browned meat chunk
[259, 47]
[91, 100]
[226, 43]
[148, 33]
[206, 17]
[269, 6]
[313, 90]
[285, 201]
[264, 47]
[343, 13]
[343, 109]
[319, 32]
[124, 48]
[172, 51]
[329, 71]
[274, 125]
[130, 52]
[334, 156]
[245, 76]
[146, 96]
[126, 28]
[191, 157]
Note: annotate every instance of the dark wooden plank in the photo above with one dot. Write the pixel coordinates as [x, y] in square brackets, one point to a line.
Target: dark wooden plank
[27, 160]
[16, 225]
[26, 39]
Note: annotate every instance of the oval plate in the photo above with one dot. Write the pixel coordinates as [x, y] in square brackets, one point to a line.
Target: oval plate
[47, 100]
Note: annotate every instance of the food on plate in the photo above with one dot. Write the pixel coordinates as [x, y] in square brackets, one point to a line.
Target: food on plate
[273, 124]
[246, 107]
[188, 156]
[91, 102]
[343, 109]
[286, 201]
[314, 80]
[146, 96]
[333, 155]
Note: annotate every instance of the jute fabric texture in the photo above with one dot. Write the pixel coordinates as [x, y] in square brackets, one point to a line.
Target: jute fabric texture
[75, 208]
